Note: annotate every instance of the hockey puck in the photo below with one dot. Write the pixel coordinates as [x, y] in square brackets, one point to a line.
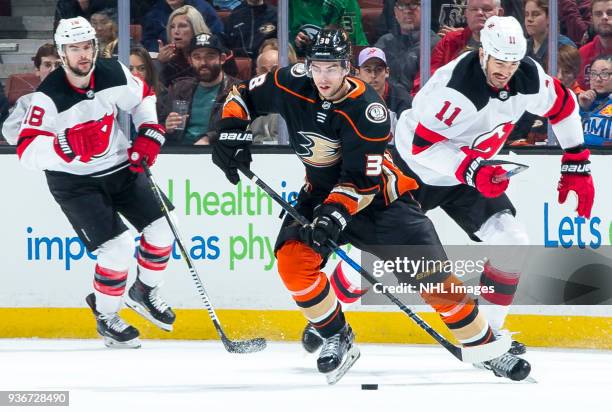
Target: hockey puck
[369, 386]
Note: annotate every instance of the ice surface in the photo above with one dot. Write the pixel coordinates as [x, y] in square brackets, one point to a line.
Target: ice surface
[177, 376]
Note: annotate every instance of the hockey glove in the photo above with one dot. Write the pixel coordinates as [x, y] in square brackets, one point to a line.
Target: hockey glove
[576, 176]
[82, 140]
[473, 173]
[329, 221]
[233, 148]
[146, 146]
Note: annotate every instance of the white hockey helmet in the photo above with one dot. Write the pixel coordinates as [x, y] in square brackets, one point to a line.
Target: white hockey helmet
[74, 30]
[502, 37]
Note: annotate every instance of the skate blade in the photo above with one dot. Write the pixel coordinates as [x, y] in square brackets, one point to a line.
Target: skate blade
[351, 357]
[115, 344]
[138, 308]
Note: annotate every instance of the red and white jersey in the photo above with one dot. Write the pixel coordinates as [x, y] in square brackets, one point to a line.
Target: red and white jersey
[57, 105]
[457, 114]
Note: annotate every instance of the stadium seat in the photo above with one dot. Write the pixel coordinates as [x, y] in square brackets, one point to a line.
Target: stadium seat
[245, 67]
[371, 4]
[369, 19]
[19, 84]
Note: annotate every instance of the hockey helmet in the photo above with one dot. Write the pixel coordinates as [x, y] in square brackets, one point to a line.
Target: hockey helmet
[330, 45]
[502, 37]
[74, 30]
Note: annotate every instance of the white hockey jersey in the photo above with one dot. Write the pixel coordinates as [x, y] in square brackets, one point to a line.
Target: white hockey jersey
[57, 105]
[457, 114]
[12, 124]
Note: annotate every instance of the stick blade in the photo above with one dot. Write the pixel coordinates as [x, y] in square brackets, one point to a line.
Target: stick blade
[488, 351]
[245, 346]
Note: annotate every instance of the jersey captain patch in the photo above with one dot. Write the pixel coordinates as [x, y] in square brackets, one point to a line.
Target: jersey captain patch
[376, 113]
[318, 150]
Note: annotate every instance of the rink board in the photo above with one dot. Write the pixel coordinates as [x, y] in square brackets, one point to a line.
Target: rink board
[230, 232]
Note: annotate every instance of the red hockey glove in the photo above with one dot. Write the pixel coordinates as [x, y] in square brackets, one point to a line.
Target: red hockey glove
[473, 173]
[146, 146]
[329, 221]
[576, 176]
[84, 140]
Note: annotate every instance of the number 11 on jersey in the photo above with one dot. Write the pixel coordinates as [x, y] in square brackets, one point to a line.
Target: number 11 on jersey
[449, 120]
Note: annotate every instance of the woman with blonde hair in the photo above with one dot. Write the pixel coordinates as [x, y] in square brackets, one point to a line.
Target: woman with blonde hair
[183, 24]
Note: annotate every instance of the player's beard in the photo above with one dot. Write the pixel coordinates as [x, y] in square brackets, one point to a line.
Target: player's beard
[211, 74]
[78, 72]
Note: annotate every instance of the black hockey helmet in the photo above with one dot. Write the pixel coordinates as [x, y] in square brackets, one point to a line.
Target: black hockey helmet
[330, 45]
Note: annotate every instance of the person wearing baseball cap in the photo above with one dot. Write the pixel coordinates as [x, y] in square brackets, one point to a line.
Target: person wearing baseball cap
[203, 94]
[373, 69]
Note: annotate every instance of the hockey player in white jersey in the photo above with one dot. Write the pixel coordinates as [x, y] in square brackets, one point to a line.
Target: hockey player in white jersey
[461, 118]
[70, 131]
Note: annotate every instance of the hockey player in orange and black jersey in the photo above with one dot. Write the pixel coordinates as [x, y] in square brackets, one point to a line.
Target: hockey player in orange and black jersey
[71, 133]
[339, 128]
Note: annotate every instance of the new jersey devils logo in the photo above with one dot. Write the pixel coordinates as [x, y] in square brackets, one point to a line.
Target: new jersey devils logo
[488, 144]
[104, 135]
[318, 150]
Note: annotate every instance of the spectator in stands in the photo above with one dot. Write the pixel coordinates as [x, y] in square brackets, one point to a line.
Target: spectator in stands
[373, 70]
[249, 25]
[596, 103]
[107, 32]
[205, 94]
[575, 18]
[183, 23]
[265, 128]
[142, 66]
[453, 43]
[266, 62]
[601, 12]
[568, 64]
[402, 46]
[66, 9]
[272, 44]
[307, 17]
[154, 25]
[45, 61]
[536, 27]
[225, 4]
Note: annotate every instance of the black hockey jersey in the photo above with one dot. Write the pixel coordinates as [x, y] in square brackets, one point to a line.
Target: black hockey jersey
[57, 105]
[342, 143]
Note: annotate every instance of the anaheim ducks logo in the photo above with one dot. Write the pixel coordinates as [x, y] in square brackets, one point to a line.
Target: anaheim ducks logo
[318, 150]
[267, 29]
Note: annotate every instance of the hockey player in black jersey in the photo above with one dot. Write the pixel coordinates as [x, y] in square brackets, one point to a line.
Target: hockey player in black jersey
[71, 133]
[339, 128]
[462, 118]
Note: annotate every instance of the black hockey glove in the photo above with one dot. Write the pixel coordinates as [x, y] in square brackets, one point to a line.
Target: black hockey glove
[329, 221]
[233, 147]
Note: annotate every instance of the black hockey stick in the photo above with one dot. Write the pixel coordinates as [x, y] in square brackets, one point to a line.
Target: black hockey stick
[519, 168]
[473, 354]
[232, 346]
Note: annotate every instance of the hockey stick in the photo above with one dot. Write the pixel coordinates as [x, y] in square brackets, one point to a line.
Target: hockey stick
[473, 354]
[509, 173]
[232, 346]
